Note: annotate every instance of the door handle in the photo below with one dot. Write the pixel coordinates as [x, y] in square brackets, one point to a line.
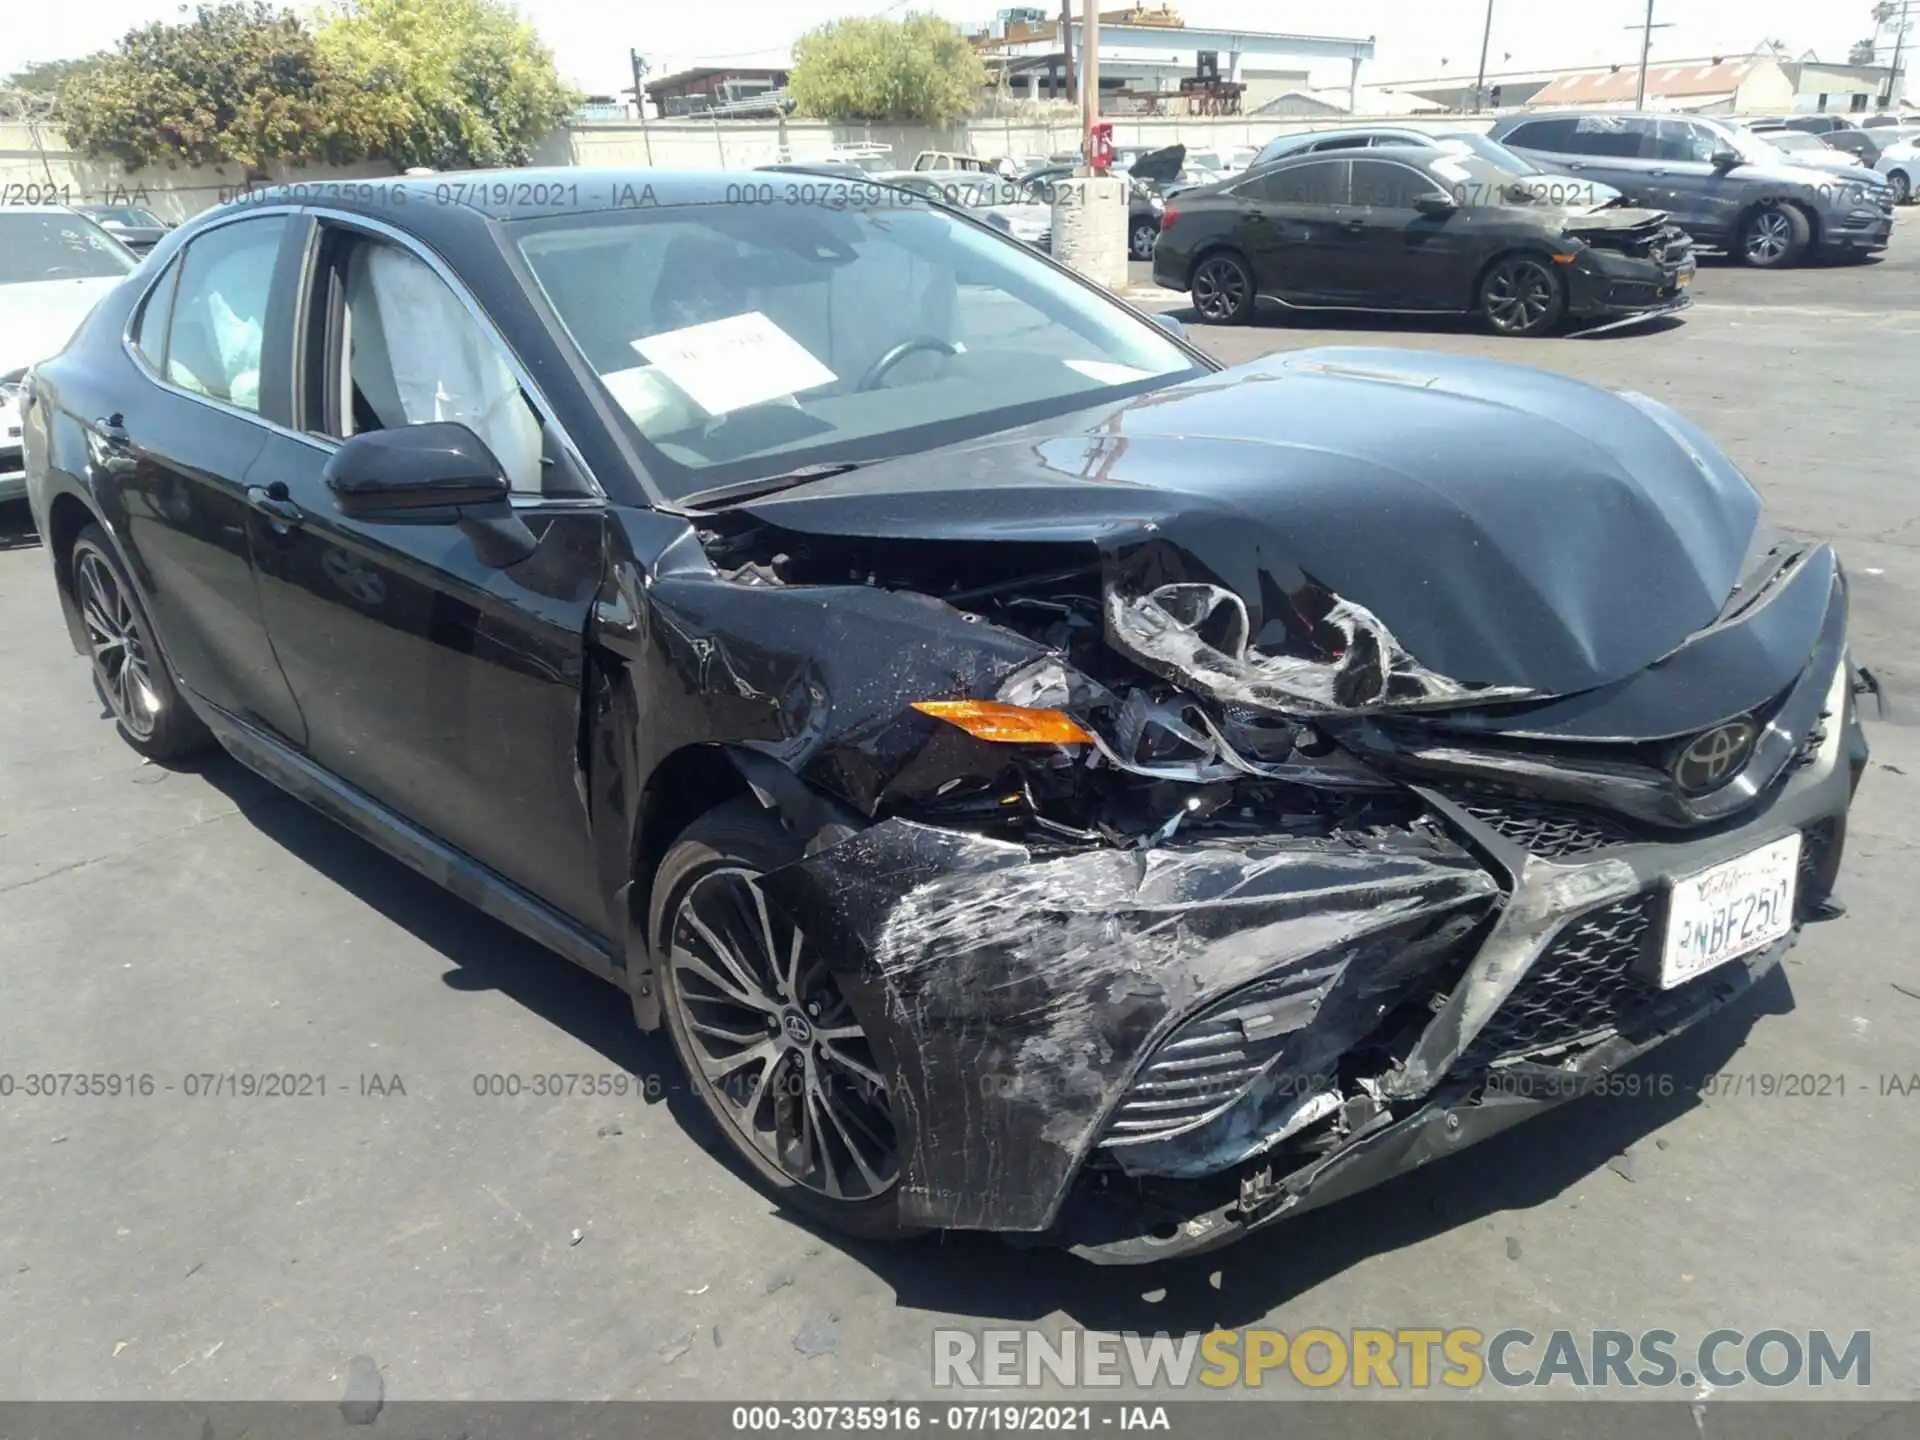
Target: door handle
[1354, 227]
[1659, 173]
[109, 445]
[272, 500]
[1575, 165]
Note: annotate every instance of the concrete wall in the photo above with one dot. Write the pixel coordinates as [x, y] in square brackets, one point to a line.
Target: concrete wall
[36, 166]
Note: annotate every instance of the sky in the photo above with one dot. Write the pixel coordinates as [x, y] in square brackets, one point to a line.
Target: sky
[1413, 38]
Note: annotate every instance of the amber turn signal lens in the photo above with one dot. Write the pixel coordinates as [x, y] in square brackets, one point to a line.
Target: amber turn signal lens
[1007, 724]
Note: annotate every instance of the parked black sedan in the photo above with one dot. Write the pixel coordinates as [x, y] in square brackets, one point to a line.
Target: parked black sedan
[1413, 230]
[1042, 782]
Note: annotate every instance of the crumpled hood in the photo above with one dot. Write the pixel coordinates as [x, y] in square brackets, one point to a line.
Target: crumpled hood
[1479, 529]
[39, 317]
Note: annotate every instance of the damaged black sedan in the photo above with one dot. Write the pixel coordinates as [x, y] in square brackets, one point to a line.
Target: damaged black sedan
[1042, 782]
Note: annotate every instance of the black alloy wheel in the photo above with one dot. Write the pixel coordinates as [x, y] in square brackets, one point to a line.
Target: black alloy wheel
[1774, 236]
[1521, 295]
[129, 671]
[770, 1045]
[1223, 289]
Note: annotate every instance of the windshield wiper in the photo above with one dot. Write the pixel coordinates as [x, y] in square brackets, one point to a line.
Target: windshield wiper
[767, 484]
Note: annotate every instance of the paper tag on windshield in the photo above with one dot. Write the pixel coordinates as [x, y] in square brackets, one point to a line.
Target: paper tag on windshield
[727, 365]
[1106, 372]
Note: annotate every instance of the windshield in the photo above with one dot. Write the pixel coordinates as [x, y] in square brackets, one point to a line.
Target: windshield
[1491, 151]
[742, 342]
[1472, 180]
[57, 245]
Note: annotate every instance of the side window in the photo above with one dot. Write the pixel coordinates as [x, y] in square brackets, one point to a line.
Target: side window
[1543, 135]
[1387, 186]
[1321, 183]
[414, 354]
[150, 334]
[220, 310]
[1614, 137]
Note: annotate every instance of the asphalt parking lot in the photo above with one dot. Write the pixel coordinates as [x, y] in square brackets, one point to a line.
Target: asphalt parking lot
[195, 922]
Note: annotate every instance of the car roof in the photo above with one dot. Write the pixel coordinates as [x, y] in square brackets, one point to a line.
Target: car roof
[40, 210]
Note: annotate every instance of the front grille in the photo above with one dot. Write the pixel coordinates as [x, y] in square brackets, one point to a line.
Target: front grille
[1595, 974]
[1583, 982]
[1211, 1061]
[1549, 831]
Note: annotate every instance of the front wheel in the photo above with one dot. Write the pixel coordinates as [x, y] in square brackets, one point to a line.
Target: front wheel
[1900, 187]
[1223, 289]
[770, 1045]
[1521, 295]
[1774, 236]
[129, 671]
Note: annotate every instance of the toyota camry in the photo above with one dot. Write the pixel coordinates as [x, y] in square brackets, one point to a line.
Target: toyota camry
[1042, 782]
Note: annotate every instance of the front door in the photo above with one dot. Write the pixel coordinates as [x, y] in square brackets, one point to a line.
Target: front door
[1395, 255]
[441, 685]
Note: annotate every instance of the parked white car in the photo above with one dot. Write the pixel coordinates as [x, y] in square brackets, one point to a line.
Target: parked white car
[1900, 163]
[55, 264]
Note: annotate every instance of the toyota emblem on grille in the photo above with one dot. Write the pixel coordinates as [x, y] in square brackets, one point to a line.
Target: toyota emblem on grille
[1714, 757]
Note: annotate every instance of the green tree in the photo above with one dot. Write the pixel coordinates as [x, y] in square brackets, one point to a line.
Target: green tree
[918, 68]
[240, 82]
[447, 83]
[45, 77]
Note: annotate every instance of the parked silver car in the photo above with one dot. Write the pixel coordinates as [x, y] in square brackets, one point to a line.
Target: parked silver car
[1900, 163]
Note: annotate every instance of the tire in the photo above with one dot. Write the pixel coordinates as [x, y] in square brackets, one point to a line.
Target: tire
[1521, 295]
[129, 667]
[810, 1098]
[1222, 289]
[1773, 237]
[1900, 186]
[1140, 237]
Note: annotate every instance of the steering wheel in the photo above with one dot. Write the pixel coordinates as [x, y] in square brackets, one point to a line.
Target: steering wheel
[877, 371]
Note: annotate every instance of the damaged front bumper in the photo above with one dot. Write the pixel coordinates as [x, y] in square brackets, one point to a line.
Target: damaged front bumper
[1147, 1052]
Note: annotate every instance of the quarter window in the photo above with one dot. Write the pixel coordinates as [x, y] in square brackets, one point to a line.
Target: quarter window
[1543, 135]
[220, 311]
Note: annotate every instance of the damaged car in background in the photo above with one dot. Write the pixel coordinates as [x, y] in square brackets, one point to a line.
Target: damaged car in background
[1042, 782]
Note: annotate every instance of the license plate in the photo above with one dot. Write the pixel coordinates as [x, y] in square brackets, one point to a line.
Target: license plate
[1730, 910]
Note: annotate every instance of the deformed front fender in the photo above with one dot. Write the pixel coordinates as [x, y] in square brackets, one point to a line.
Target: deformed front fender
[1010, 996]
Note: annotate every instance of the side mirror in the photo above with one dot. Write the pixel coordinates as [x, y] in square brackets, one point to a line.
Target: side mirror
[439, 473]
[384, 474]
[1725, 159]
[1435, 207]
[1167, 323]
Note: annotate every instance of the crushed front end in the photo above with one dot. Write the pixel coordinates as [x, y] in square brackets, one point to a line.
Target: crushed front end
[1178, 878]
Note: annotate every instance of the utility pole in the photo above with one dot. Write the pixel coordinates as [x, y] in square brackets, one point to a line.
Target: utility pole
[1646, 29]
[1089, 77]
[1480, 80]
[1066, 45]
[1898, 15]
[640, 68]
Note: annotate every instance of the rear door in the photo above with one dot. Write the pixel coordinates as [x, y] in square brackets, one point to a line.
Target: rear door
[212, 336]
[440, 685]
[1287, 226]
[1393, 255]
